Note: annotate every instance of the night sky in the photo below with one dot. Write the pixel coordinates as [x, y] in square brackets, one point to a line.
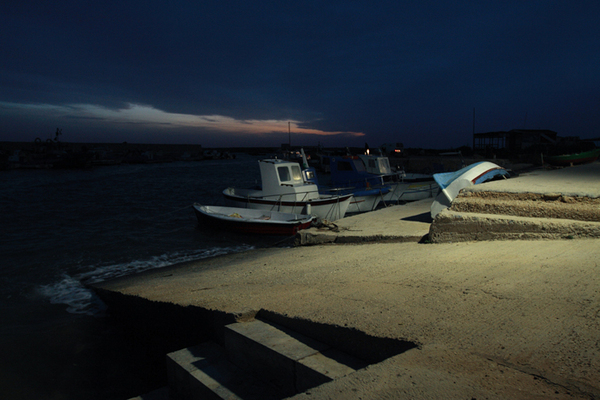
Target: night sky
[234, 73]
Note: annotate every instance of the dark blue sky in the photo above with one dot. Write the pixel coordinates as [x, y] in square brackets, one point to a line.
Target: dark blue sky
[234, 73]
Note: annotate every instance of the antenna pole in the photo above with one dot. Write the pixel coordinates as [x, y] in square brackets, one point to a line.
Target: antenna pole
[473, 128]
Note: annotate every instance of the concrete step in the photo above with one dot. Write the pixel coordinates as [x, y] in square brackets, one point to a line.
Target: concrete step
[203, 372]
[546, 205]
[457, 226]
[259, 360]
[288, 360]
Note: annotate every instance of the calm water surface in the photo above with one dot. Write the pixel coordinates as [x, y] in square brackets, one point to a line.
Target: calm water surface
[60, 228]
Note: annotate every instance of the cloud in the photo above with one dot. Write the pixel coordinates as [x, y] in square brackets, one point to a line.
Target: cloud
[149, 118]
[391, 71]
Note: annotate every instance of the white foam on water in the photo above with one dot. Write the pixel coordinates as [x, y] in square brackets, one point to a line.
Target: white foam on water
[72, 292]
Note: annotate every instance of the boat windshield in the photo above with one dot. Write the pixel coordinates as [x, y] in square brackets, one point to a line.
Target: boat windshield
[284, 174]
[291, 174]
[385, 166]
[296, 173]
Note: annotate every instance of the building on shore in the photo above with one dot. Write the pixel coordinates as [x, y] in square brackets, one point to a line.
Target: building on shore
[515, 140]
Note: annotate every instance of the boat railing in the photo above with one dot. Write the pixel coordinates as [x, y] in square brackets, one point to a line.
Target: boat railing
[360, 184]
[340, 190]
[279, 200]
[336, 206]
[282, 196]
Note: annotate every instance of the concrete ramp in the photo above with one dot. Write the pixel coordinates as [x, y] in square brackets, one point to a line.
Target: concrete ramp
[396, 223]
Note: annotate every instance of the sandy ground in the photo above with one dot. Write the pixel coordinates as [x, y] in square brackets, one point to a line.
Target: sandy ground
[493, 320]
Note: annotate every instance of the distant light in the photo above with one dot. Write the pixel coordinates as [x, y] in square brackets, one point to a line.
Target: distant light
[397, 151]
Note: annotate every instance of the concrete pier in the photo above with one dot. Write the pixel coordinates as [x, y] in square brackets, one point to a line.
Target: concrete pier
[542, 204]
[430, 311]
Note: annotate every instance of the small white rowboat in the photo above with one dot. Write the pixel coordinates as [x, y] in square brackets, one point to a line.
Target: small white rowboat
[247, 220]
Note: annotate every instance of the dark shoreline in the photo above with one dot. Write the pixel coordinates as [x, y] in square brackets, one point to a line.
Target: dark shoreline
[412, 160]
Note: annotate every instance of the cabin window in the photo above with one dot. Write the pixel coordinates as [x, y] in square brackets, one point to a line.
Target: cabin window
[296, 173]
[372, 164]
[385, 166]
[284, 174]
[287, 174]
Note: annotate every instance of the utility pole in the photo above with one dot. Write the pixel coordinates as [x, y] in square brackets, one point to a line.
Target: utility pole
[473, 127]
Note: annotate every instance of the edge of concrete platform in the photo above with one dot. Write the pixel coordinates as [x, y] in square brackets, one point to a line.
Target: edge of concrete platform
[542, 204]
[395, 223]
[310, 239]
[456, 226]
[576, 181]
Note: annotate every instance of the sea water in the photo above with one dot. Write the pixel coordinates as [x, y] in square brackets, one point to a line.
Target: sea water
[60, 229]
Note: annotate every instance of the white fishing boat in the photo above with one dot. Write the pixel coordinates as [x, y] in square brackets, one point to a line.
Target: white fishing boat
[246, 220]
[451, 183]
[403, 186]
[348, 175]
[363, 199]
[285, 190]
[412, 187]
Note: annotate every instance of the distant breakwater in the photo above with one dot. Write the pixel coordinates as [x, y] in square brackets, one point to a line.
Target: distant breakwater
[429, 162]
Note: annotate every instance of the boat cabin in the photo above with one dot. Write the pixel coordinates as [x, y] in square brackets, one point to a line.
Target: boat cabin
[281, 177]
[376, 164]
[351, 171]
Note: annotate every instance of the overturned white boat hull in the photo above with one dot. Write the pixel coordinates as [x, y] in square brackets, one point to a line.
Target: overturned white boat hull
[451, 183]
